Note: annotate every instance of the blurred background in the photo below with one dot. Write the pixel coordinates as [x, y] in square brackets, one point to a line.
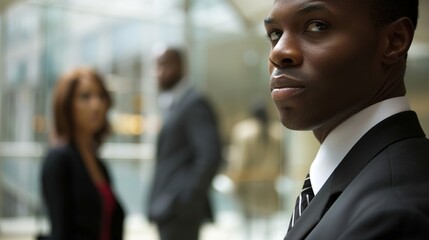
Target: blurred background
[227, 54]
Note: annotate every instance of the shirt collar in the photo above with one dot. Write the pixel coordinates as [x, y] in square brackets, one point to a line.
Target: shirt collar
[340, 141]
[167, 98]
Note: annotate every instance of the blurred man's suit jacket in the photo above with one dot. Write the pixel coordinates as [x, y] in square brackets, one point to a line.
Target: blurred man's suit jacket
[187, 158]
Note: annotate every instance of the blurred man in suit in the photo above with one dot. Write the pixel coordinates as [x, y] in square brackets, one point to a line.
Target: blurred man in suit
[188, 153]
[337, 68]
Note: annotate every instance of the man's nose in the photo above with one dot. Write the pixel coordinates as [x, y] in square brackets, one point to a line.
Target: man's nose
[287, 52]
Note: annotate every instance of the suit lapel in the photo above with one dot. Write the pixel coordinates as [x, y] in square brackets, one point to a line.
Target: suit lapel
[174, 111]
[395, 128]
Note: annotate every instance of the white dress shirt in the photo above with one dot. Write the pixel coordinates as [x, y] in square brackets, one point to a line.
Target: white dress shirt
[340, 141]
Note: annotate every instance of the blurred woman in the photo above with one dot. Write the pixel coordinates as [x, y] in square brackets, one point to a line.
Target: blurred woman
[75, 183]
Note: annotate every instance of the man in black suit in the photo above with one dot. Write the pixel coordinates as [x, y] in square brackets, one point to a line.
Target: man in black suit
[188, 153]
[337, 68]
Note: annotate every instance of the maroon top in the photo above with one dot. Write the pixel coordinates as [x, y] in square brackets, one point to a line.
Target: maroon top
[108, 207]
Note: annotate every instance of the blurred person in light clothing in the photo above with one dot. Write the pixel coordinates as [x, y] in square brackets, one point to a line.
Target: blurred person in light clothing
[255, 165]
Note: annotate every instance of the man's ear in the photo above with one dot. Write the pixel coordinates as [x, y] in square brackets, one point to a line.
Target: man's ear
[399, 35]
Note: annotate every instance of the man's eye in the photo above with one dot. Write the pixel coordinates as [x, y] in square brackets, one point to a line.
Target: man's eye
[316, 27]
[274, 35]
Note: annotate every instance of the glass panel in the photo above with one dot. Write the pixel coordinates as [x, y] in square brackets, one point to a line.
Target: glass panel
[20, 196]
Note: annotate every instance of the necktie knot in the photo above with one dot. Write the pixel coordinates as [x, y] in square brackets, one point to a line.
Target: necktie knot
[302, 201]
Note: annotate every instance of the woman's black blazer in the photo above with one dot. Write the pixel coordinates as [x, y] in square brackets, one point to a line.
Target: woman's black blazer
[72, 200]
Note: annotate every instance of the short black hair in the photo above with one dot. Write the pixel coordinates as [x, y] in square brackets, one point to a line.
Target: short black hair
[387, 11]
[178, 54]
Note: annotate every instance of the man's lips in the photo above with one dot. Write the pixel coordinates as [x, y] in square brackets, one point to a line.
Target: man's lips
[281, 94]
[283, 87]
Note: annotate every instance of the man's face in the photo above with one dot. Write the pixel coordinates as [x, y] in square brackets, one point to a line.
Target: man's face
[168, 70]
[324, 61]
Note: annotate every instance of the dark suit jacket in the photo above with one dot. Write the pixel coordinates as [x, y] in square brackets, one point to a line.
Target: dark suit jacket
[379, 191]
[73, 202]
[188, 157]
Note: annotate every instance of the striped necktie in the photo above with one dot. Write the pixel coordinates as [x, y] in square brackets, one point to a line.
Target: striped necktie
[302, 201]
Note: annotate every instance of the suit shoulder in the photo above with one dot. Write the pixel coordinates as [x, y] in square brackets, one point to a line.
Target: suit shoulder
[57, 158]
[202, 99]
[409, 159]
[194, 95]
[195, 98]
